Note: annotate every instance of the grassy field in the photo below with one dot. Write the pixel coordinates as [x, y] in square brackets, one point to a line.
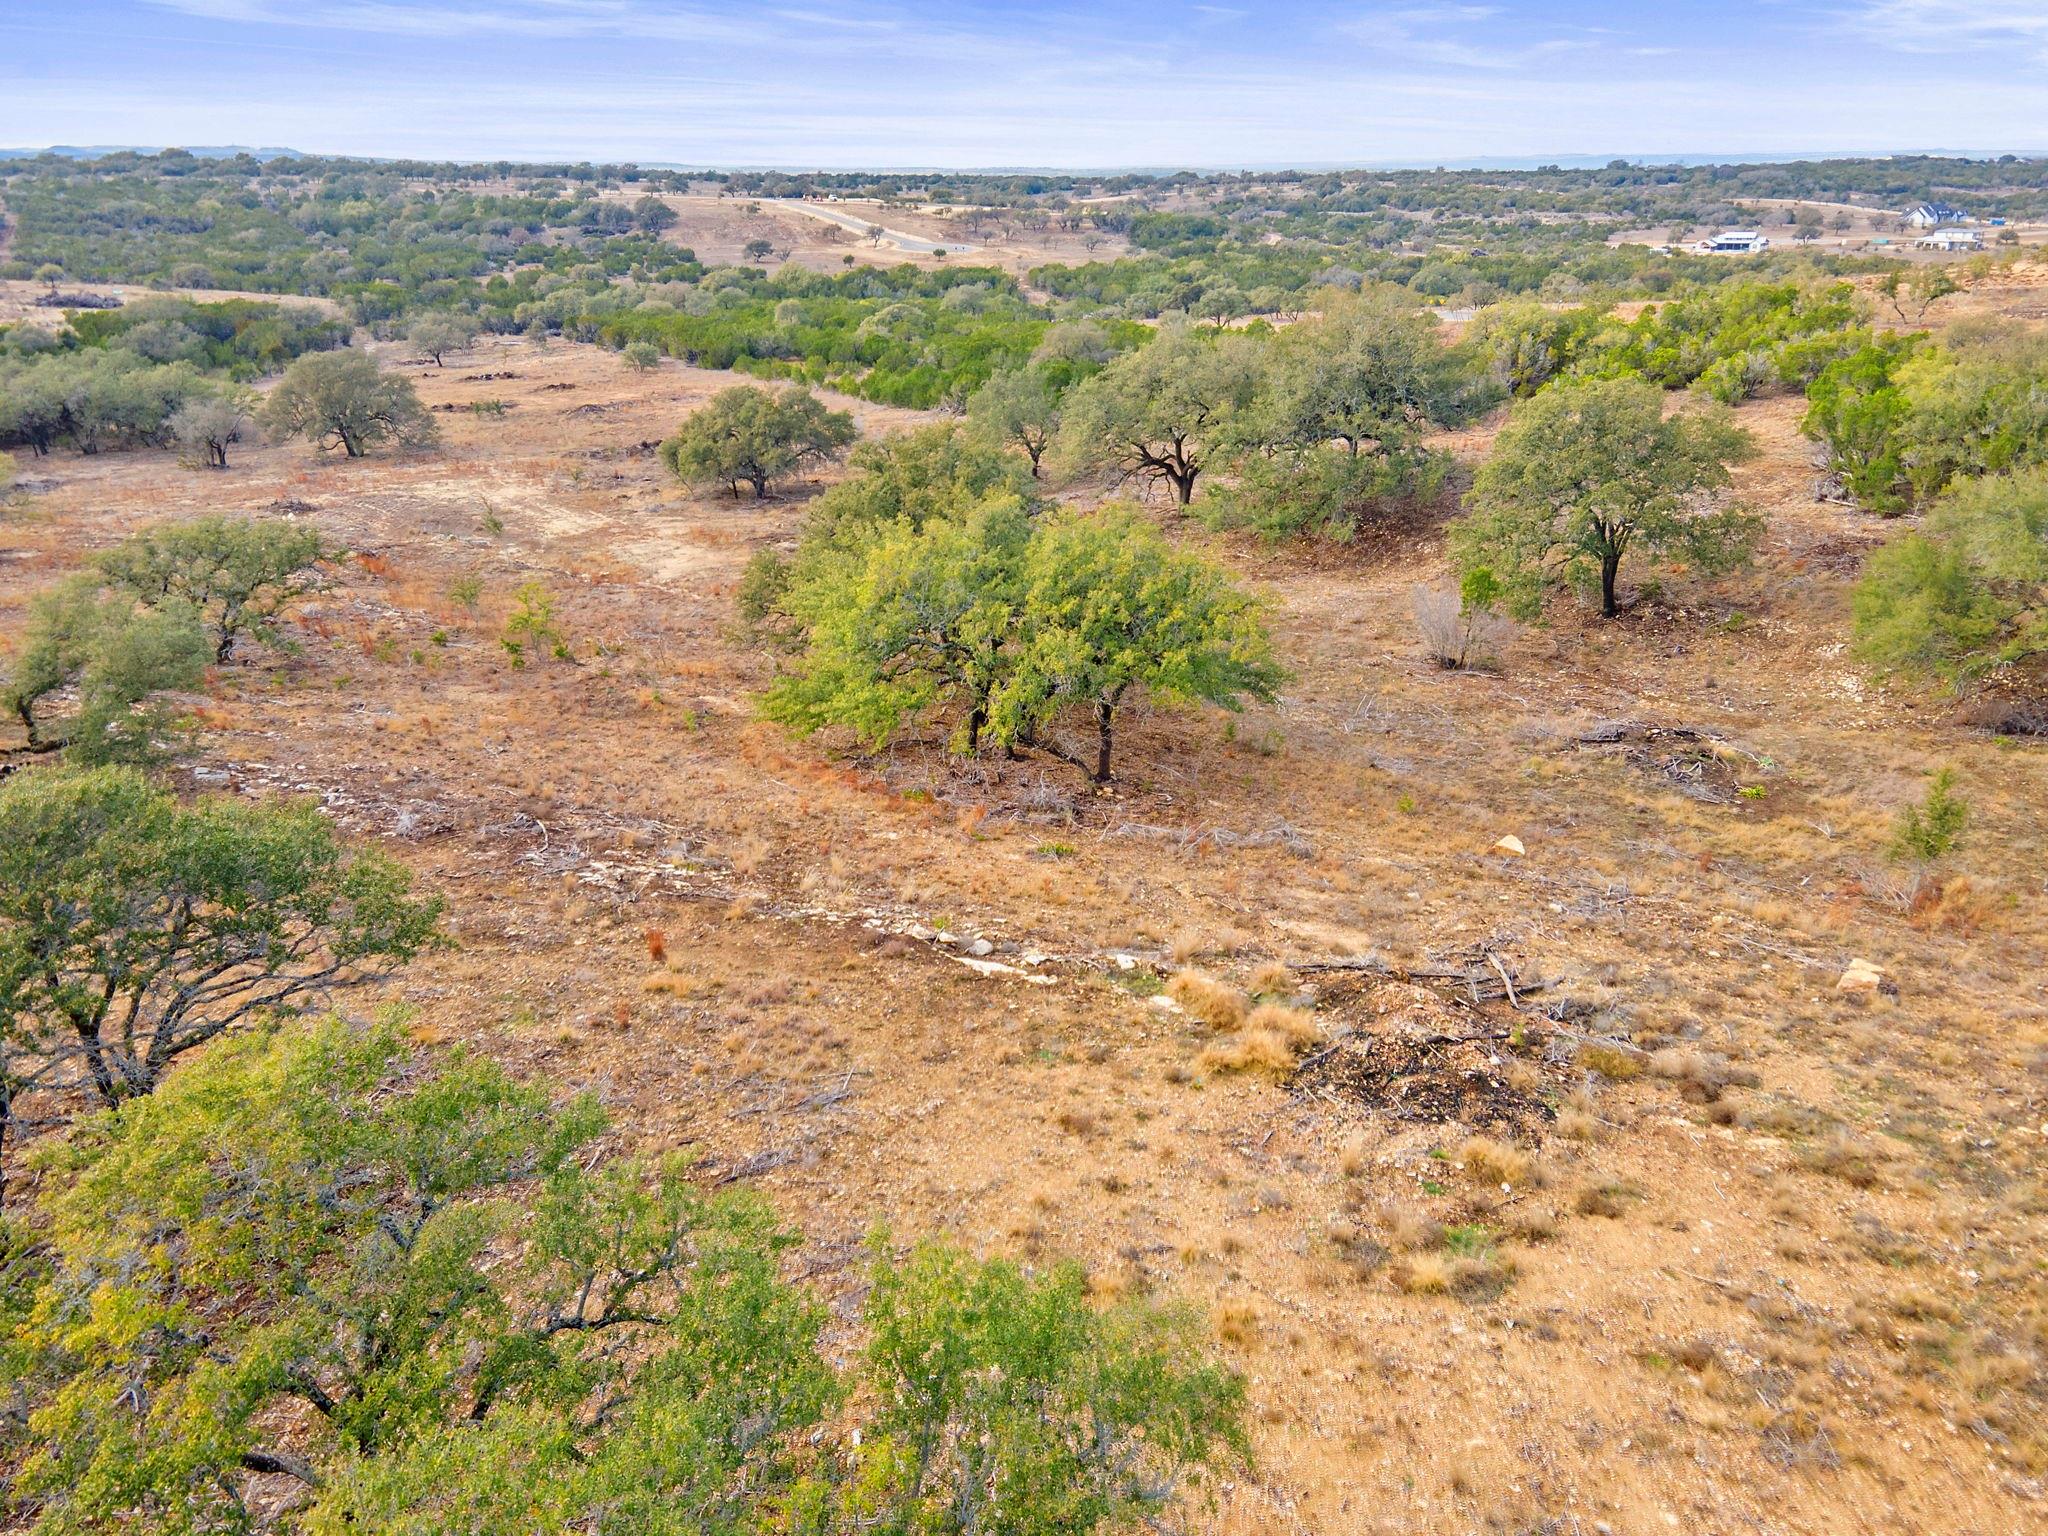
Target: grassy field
[1677, 1236]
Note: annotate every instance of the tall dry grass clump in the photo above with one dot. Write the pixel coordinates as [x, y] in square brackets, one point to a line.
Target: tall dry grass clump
[1214, 1003]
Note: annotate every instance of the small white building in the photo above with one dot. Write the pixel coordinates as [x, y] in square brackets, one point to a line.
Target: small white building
[1739, 242]
[1951, 240]
[1934, 215]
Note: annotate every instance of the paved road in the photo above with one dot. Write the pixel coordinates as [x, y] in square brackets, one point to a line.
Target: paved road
[916, 244]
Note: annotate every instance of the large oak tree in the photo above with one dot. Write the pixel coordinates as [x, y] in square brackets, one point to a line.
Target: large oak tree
[1585, 474]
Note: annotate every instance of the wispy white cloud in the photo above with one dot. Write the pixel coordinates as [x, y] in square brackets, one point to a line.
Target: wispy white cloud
[1461, 37]
[1065, 82]
[654, 21]
[1954, 26]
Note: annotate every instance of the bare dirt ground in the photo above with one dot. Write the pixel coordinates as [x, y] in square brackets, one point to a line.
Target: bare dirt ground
[18, 298]
[719, 228]
[1772, 1263]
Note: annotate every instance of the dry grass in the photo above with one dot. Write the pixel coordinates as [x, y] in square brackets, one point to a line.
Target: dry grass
[1212, 1002]
[1703, 937]
[1423, 1274]
[1495, 1162]
[1272, 979]
[1251, 1050]
[1848, 1158]
[1612, 1062]
[1295, 1025]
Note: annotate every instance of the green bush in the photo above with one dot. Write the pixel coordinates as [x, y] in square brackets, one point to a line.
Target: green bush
[1965, 596]
[1858, 411]
[1930, 830]
[1731, 340]
[416, 1292]
[239, 574]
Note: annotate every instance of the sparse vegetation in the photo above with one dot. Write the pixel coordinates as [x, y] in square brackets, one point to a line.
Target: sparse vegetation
[532, 627]
[1627, 928]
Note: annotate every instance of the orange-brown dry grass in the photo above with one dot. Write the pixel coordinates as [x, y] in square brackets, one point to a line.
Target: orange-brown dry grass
[1875, 1320]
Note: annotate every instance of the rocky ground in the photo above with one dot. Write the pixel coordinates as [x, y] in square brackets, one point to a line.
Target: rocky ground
[1597, 1200]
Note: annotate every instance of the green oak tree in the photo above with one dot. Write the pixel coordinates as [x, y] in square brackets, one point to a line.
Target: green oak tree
[1112, 611]
[1163, 412]
[919, 616]
[344, 400]
[747, 435]
[1857, 410]
[1585, 474]
[1019, 407]
[439, 332]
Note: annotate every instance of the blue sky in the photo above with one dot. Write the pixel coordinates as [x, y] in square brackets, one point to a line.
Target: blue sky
[1107, 83]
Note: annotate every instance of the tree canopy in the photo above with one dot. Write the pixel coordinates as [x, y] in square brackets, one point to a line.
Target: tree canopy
[746, 435]
[1019, 407]
[439, 332]
[918, 615]
[1585, 473]
[416, 1294]
[344, 400]
[116, 657]
[134, 927]
[1163, 412]
[1111, 610]
[240, 574]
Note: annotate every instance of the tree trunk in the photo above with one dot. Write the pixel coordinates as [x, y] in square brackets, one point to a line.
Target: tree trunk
[1105, 735]
[977, 719]
[1183, 483]
[1610, 565]
[96, 1063]
[760, 487]
[284, 1462]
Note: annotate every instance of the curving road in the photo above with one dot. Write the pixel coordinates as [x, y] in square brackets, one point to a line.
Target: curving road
[915, 244]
